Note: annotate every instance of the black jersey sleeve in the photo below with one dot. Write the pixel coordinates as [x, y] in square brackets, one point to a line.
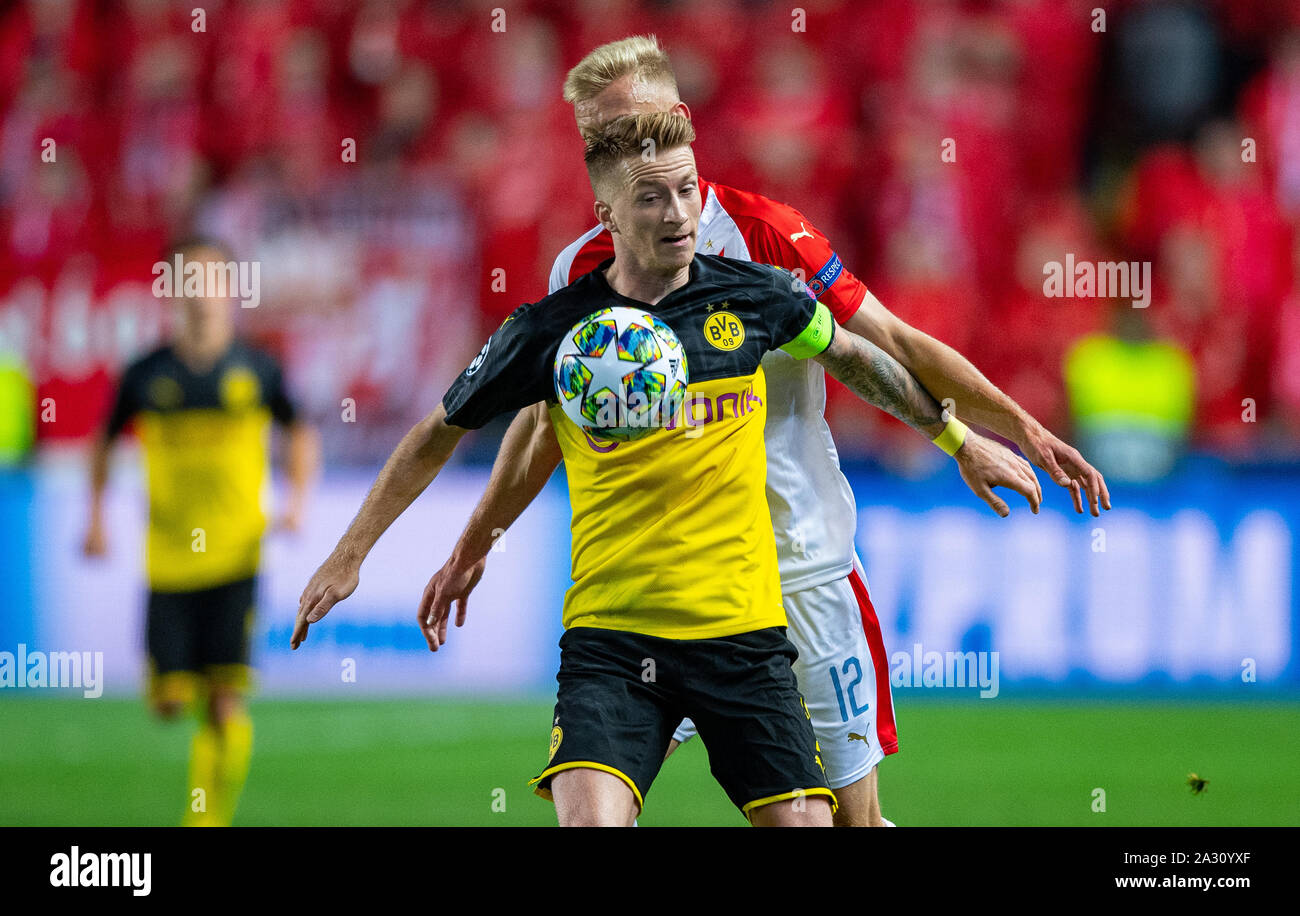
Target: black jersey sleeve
[282, 408]
[127, 401]
[512, 371]
[801, 326]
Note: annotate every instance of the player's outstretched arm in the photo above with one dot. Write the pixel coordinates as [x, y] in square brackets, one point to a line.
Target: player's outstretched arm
[879, 379]
[945, 373]
[528, 456]
[302, 463]
[95, 543]
[409, 470]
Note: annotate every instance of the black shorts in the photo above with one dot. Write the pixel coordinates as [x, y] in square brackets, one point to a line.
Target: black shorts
[200, 632]
[621, 696]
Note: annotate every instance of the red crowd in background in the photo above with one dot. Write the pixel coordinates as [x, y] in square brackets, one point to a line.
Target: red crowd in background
[382, 275]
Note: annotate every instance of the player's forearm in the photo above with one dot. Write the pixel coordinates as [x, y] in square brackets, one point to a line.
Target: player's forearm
[947, 374]
[528, 456]
[410, 469]
[99, 457]
[881, 380]
[944, 373]
[302, 463]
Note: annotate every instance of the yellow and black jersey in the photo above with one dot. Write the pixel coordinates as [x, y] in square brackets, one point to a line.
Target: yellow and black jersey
[206, 446]
[671, 532]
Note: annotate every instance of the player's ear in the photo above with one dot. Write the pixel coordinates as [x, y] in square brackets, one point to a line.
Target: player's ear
[681, 109]
[605, 216]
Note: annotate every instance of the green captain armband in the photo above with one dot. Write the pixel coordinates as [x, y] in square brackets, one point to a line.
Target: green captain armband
[815, 338]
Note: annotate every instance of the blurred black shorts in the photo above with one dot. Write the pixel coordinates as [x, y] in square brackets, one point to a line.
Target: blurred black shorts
[203, 632]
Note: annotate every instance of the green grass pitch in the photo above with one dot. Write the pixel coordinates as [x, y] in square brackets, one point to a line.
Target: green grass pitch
[416, 762]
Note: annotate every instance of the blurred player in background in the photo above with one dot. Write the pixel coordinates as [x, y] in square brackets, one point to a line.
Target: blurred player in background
[843, 666]
[202, 405]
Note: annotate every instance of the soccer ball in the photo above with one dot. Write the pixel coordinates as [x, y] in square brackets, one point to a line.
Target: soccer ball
[620, 373]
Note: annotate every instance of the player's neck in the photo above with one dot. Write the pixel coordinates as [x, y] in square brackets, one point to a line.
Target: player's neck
[627, 278]
[201, 353]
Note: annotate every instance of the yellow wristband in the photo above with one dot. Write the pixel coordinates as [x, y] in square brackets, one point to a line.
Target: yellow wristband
[952, 437]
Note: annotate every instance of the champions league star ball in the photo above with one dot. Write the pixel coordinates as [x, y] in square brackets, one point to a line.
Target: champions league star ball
[620, 374]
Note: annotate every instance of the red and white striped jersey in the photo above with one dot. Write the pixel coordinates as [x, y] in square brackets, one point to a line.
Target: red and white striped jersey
[813, 512]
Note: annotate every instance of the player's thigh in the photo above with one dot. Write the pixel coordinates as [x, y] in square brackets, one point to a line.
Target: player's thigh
[171, 641]
[744, 700]
[838, 678]
[586, 797]
[800, 811]
[224, 636]
[608, 717]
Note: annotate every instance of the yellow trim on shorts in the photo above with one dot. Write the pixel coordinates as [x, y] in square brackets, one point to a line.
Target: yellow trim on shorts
[172, 687]
[784, 796]
[185, 686]
[236, 676]
[588, 764]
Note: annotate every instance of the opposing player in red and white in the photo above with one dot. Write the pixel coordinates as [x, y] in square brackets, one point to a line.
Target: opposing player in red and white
[843, 668]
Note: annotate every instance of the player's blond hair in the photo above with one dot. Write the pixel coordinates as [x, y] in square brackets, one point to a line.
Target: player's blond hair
[627, 135]
[639, 55]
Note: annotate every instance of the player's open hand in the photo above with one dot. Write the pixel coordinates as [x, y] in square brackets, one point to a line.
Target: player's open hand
[95, 544]
[288, 522]
[452, 583]
[986, 464]
[1066, 466]
[336, 579]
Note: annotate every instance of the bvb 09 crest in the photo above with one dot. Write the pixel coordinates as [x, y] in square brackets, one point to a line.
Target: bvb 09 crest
[239, 389]
[724, 331]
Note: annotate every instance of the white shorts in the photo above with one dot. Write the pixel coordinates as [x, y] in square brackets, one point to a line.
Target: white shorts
[843, 674]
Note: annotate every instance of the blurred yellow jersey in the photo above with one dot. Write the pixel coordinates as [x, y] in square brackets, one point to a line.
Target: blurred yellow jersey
[205, 438]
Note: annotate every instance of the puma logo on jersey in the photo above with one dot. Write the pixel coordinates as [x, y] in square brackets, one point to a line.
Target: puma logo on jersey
[854, 736]
[796, 236]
